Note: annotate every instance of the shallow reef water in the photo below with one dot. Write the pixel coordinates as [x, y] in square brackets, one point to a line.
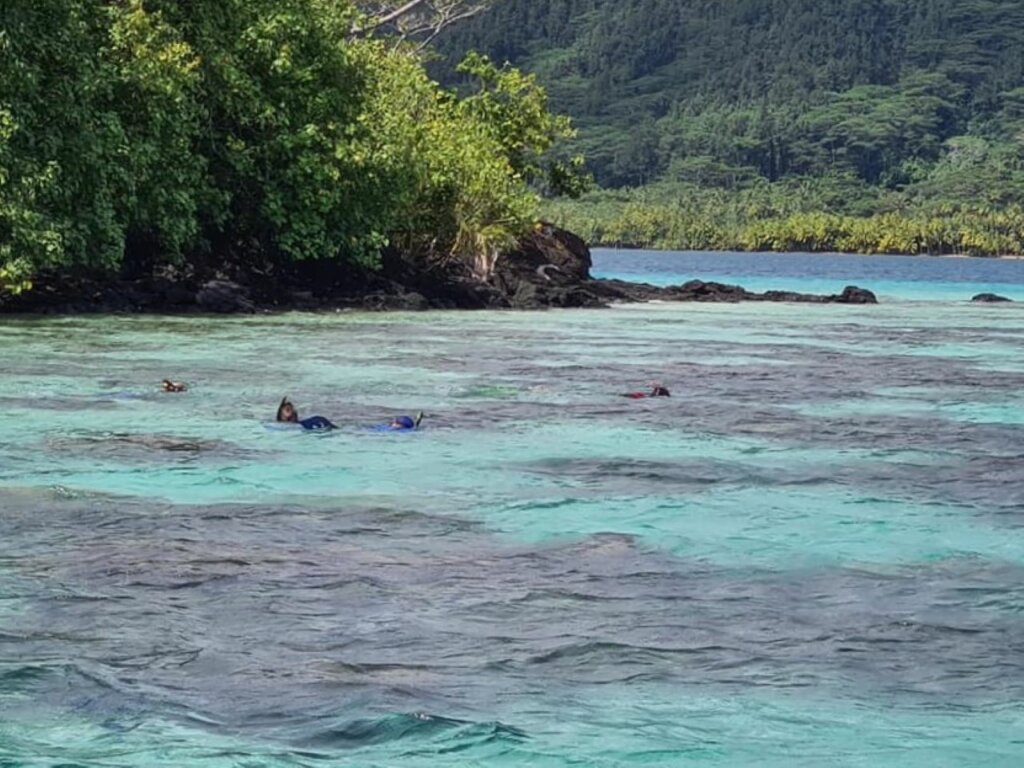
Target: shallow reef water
[811, 554]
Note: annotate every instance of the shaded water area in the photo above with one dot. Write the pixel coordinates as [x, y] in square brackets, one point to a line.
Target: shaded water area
[812, 554]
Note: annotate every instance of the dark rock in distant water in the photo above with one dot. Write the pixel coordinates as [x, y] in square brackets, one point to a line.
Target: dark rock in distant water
[854, 295]
[224, 296]
[990, 298]
[549, 268]
[698, 290]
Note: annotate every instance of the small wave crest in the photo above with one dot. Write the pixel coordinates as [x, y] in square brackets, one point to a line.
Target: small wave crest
[412, 726]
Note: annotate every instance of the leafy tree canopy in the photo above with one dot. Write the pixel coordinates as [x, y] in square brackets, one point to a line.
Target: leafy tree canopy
[145, 132]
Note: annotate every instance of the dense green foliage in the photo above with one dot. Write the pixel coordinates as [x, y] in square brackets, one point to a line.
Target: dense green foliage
[149, 131]
[886, 111]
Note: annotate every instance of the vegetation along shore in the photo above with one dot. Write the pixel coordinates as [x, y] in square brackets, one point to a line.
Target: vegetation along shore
[290, 147]
[707, 222]
[298, 153]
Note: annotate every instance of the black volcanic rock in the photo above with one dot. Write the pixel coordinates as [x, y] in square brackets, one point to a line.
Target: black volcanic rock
[549, 268]
[853, 295]
[701, 291]
[990, 298]
[398, 301]
[224, 296]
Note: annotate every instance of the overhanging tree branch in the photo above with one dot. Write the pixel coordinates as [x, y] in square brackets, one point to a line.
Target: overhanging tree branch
[417, 21]
[389, 16]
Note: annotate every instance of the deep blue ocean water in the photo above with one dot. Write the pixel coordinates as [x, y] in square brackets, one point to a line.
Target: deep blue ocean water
[811, 555]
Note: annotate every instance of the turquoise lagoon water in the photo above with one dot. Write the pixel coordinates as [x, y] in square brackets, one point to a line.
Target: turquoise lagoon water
[813, 554]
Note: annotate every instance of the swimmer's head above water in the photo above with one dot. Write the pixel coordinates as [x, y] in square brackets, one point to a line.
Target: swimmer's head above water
[657, 390]
[406, 422]
[286, 411]
[173, 386]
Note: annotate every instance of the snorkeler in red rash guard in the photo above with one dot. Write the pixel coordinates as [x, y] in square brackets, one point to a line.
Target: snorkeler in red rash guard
[657, 390]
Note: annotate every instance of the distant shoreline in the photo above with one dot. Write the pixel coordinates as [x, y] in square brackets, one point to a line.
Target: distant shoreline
[550, 268]
[651, 249]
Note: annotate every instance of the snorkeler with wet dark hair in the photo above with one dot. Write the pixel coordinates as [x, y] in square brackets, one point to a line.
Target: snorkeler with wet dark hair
[286, 412]
[173, 386]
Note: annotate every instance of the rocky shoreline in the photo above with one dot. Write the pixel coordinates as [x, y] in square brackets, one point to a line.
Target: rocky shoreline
[550, 268]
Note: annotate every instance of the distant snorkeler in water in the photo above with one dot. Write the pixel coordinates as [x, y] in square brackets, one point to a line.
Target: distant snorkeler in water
[286, 412]
[406, 422]
[173, 386]
[657, 390]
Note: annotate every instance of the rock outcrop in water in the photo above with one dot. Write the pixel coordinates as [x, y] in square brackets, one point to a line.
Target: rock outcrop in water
[990, 298]
[698, 290]
[549, 268]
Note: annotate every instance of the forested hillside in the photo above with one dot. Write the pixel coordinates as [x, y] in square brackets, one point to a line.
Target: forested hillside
[845, 107]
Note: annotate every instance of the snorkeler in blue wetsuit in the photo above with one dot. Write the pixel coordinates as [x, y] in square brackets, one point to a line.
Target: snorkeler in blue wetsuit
[286, 412]
[406, 422]
[399, 424]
